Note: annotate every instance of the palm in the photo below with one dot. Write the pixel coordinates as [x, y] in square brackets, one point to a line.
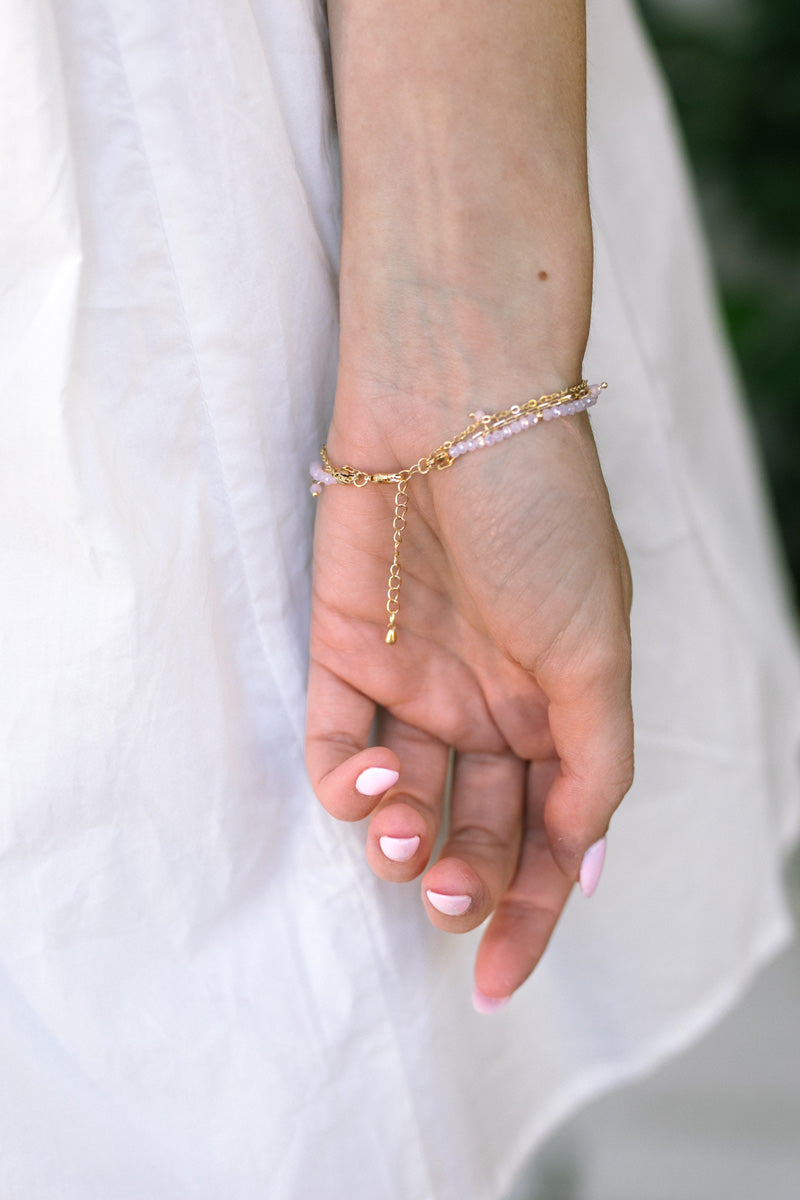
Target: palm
[514, 587]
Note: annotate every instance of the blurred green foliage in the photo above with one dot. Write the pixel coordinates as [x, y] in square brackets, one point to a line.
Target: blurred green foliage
[733, 69]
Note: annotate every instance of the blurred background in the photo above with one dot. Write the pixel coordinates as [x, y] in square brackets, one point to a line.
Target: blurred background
[733, 67]
[723, 1120]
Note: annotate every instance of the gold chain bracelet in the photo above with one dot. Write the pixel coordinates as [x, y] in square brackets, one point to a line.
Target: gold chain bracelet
[484, 430]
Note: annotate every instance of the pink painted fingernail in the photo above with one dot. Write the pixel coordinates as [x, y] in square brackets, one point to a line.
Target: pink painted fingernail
[488, 1004]
[451, 906]
[592, 867]
[399, 849]
[375, 780]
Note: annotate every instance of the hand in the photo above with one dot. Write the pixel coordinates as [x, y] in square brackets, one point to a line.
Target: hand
[513, 649]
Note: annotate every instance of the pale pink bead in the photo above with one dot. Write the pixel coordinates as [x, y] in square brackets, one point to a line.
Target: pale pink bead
[315, 489]
[548, 414]
[316, 469]
[591, 399]
[479, 414]
[515, 426]
[524, 423]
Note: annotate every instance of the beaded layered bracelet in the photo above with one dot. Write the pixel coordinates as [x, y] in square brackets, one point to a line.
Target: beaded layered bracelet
[485, 429]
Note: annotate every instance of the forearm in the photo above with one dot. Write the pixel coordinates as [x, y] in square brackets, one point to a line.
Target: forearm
[466, 283]
[462, 129]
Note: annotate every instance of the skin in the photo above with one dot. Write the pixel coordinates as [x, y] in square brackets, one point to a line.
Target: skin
[466, 282]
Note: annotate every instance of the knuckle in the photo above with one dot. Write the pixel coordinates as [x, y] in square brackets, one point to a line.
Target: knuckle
[624, 780]
[609, 657]
[480, 837]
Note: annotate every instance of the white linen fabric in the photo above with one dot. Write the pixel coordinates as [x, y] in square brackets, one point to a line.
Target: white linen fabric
[203, 990]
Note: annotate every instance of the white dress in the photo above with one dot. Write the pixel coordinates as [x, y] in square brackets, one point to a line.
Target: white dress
[204, 992]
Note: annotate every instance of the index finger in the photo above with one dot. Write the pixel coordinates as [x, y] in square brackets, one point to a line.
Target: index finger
[348, 775]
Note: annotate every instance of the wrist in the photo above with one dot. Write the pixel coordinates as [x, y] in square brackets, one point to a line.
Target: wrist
[417, 354]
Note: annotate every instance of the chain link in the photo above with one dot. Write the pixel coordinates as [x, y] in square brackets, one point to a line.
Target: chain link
[395, 580]
[441, 458]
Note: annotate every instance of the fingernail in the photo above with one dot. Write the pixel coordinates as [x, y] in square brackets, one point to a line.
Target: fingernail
[592, 867]
[451, 906]
[488, 1004]
[399, 849]
[375, 780]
